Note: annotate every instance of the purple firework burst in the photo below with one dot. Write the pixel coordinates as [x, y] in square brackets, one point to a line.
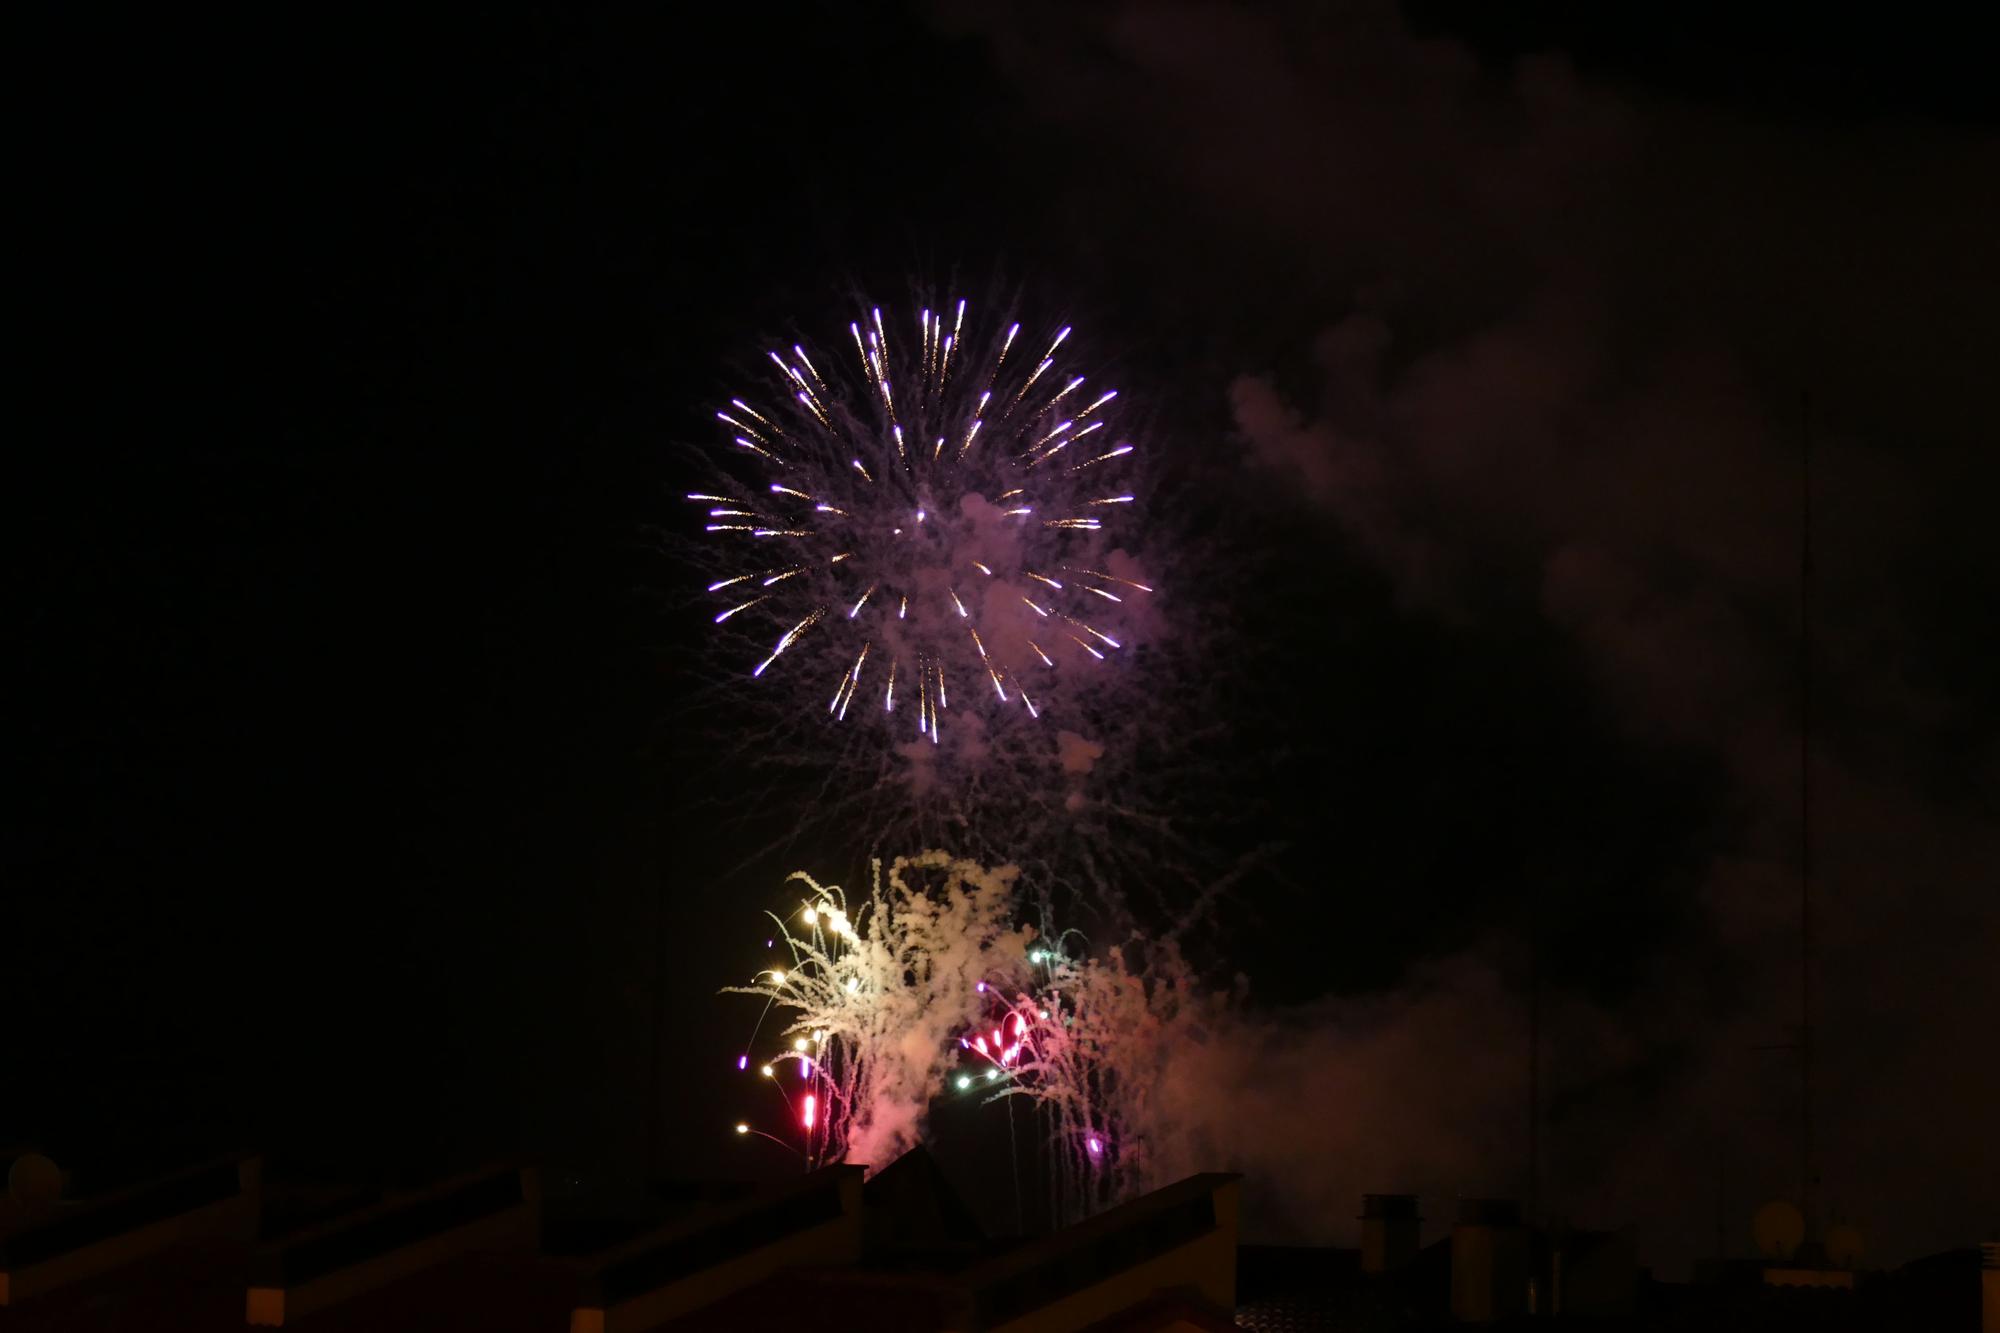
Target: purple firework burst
[925, 522]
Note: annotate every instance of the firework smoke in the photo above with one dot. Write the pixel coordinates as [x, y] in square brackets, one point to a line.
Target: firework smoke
[872, 996]
[1092, 1039]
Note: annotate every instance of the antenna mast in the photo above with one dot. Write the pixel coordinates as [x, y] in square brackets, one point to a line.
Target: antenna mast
[1805, 812]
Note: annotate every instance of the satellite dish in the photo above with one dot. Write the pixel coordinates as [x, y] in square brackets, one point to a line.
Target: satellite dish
[1779, 1229]
[1843, 1246]
[34, 1181]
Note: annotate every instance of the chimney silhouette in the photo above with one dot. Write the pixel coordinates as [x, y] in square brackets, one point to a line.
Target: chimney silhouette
[1390, 1232]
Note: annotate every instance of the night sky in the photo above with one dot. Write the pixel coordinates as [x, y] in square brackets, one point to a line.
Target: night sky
[364, 811]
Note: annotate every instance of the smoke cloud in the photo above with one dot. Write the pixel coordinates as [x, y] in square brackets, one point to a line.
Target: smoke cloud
[1566, 335]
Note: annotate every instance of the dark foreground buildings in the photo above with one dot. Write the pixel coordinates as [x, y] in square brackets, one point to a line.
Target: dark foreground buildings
[217, 1246]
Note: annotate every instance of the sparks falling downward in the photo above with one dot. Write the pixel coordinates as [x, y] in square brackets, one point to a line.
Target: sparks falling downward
[854, 505]
[861, 980]
[928, 986]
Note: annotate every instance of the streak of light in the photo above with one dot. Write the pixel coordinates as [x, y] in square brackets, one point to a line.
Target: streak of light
[1119, 452]
[1109, 578]
[806, 361]
[791, 636]
[1093, 631]
[1035, 375]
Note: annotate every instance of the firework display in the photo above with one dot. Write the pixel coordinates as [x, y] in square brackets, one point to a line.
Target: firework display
[927, 987]
[920, 535]
[869, 996]
[923, 520]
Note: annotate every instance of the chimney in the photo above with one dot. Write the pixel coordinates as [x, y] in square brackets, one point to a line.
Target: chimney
[1989, 1287]
[1390, 1231]
[1489, 1261]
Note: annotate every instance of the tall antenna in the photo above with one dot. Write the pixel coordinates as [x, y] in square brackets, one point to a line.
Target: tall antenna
[1805, 811]
[1534, 1190]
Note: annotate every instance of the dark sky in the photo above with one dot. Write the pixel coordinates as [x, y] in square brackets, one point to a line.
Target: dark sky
[358, 808]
